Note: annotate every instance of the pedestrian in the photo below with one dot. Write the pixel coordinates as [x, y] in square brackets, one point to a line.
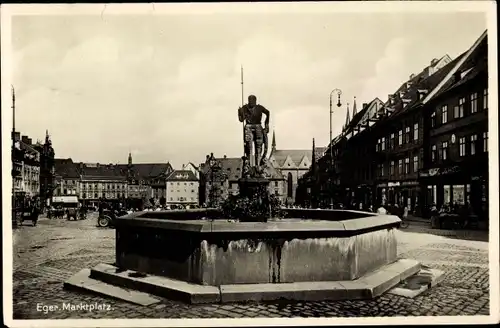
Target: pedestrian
[405, 212]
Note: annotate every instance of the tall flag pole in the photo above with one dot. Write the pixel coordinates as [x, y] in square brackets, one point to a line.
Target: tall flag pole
[242, 104]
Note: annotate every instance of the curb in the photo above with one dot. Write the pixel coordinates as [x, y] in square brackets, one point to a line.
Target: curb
[367, 287]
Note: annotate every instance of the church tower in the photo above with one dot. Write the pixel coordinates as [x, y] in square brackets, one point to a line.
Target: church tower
[273, 145]
[347, 118]
[129, 159]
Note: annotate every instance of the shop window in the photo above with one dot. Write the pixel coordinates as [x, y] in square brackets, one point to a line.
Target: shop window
[485, 141]
[407, 165]
[485, 99]
[415, 163]
[433, 119]
[458, 194]
[462, 146]
[444, 114]
[473, 103]
[447, 195]
[400, 137]
[415, 131]
[473, 142]
[433, 153]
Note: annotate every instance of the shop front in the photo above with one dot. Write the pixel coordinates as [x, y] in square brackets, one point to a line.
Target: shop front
[453, 187]
[402, 193]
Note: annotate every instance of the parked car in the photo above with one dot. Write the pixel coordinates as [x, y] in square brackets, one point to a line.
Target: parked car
[108, 216]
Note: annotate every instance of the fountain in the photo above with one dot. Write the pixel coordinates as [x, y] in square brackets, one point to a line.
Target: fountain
[250, 248]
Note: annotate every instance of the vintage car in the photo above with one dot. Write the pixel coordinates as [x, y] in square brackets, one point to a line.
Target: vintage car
[108, 216]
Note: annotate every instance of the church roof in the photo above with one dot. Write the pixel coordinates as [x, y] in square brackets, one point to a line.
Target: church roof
[296, 155]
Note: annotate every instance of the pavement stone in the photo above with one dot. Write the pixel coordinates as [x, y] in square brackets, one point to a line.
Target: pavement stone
[46, 255]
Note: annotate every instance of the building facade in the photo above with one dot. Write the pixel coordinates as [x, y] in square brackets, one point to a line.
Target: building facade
[67, 177]
[292, 164]
[399, 136]
[456, 146]
[47, 170]
[131, 184]
[426, 145]
[101, 182]
[26, 166]
[224, 182]
[182, 188]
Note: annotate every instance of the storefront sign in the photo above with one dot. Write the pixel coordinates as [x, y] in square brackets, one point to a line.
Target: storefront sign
[382, 185]
[393, 184]
[438, 172]
[409, 183]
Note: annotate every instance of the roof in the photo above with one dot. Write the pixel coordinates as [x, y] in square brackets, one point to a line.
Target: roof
[296, 155]
[422, 82]
[66, 168]
[27, 148]
[182, 175]
[232, 166]
[100, 171]
[95, 171]
[473, 66]
[319, 152]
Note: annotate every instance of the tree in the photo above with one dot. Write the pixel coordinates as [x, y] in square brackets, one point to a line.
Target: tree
[163, 201]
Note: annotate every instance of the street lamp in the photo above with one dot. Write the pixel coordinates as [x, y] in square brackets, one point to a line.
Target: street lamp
[339, 93]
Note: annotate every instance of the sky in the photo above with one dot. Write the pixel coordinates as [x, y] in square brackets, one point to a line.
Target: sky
[167, 87]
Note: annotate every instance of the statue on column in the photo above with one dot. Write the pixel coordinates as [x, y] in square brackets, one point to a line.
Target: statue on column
[255, 134]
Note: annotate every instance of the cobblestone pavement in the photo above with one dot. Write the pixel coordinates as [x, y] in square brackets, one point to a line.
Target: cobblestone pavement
[46, 255]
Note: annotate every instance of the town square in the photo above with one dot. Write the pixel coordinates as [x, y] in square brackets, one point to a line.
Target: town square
[171, 166]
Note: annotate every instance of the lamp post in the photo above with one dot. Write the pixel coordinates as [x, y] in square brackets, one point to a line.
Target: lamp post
[339, 93]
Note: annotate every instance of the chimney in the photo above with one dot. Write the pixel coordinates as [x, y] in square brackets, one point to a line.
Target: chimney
[225, 157]
[24, 139]
[412, 76]
[364, 105]
[434, 62]
[29, 141]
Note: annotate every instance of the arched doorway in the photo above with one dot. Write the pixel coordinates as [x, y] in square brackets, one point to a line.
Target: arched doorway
[290, 186]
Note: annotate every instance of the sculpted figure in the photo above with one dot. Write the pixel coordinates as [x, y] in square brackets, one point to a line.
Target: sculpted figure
[255, 134]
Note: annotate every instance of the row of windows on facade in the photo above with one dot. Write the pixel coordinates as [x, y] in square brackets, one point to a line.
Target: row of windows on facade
[466, 146]
[182, 199]
[404, 137]
[185, 190]
[407, 165]
[234, 185]
[171, 184]
[459, 111]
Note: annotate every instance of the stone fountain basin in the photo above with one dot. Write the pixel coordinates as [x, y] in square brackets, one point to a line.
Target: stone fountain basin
[201, 247]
